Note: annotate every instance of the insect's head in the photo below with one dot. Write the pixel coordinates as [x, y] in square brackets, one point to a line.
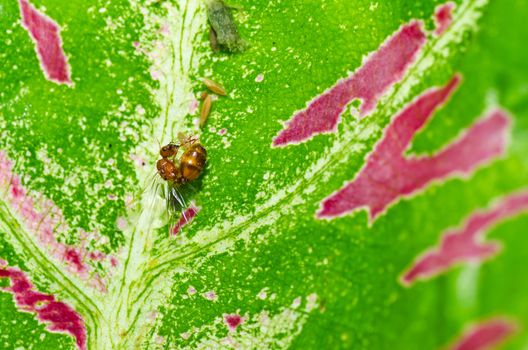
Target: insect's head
[169, 150]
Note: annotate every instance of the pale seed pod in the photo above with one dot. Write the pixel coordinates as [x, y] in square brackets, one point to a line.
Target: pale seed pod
[206, 108]
[214, 87]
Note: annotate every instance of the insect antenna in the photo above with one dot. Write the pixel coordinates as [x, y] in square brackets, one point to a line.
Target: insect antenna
[186, 141]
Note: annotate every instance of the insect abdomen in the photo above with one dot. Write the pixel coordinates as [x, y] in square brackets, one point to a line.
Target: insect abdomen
[192, 162]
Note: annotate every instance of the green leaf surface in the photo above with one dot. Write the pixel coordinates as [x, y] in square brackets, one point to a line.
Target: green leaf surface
[255, 249]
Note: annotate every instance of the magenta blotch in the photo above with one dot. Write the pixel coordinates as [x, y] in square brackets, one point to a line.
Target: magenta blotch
[485, 335]
[44, 222]
[443, 17]
[232, 321]
[389, 175]
[58, 316]
[465, 244]
[185, 218]
[379, 72]
[46, 35]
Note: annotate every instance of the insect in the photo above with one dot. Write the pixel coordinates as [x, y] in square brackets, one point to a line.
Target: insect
[223, 34]
[166, 167]
[188, 167]
[178, 172]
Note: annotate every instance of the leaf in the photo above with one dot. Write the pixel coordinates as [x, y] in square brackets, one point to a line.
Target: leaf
[401, 129]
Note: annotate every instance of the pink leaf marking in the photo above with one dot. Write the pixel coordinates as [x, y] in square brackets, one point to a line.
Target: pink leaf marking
[193, 105]
[210, 295]
[380, 71]
[44, 218]
[58, 316]
[465, 244]
[443, 17]
[185, 218]
[388, 175]
[232, 321]
[485, 335]
[46, 35]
